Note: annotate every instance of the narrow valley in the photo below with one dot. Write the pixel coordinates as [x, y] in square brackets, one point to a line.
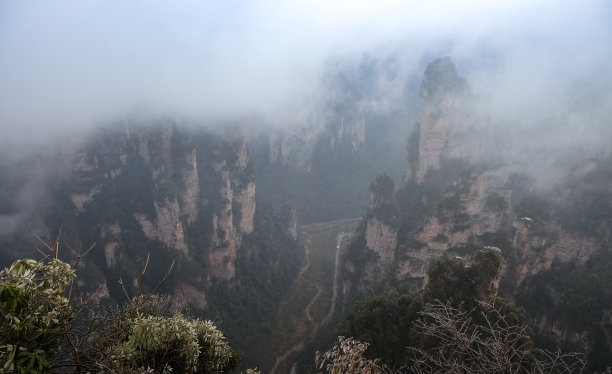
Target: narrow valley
[312, 297]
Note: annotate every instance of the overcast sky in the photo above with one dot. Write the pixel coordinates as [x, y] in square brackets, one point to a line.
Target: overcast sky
[71, 64]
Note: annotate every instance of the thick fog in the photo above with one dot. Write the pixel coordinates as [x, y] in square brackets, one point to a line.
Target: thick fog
[539, 71]
[74, 64]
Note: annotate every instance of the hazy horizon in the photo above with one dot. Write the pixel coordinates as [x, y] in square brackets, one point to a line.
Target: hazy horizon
[71, 65]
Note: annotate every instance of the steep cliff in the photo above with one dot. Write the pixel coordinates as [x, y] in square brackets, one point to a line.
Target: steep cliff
[183, 191]
[538, 244]
[554, 235]
[382, 221]
[162, 193]
[372, 250]
[445, 116]
[465, 202]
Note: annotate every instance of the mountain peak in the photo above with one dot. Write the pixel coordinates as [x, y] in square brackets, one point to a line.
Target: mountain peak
[441, 77]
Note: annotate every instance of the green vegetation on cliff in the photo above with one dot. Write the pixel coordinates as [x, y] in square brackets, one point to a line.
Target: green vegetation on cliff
[457, 325]
[578, 298]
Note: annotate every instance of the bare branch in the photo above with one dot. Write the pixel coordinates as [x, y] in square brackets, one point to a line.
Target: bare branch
[150, 294]
[124, 291]
[142, 273]
[51, 249]
[494, 346]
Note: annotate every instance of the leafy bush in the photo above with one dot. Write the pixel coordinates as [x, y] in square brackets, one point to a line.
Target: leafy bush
[384, 322]
[34, 313]
[347, 358]
[41, 333]
[169, 344]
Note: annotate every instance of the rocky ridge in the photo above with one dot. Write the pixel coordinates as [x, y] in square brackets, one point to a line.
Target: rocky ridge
[476, 205]
[177, 184]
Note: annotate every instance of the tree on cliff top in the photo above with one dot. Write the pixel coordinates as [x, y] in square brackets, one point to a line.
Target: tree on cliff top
[457, 325]
[383, 205]
[441, 77]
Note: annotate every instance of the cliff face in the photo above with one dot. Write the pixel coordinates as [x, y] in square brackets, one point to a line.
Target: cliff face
[292, 147]
[457, 203]
[167, 226]
[444, 117]
[381, 222]
[186, 191]
[191, 192]
[469, 215]
[554, 239]
[372, 250]
[474, 206]
[538, 244]
[476, 202]
[350, 132]
[295, 148]
[382, 239]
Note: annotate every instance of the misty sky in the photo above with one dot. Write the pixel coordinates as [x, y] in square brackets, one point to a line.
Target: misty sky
[72, 64]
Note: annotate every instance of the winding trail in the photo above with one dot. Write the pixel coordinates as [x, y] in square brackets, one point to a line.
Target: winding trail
[315, 327]
[314, 299]
[298, 347]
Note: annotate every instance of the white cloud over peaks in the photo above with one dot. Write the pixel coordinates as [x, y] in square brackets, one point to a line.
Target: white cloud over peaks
[70, 64]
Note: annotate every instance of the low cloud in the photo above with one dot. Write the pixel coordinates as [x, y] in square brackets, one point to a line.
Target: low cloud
[71, 65]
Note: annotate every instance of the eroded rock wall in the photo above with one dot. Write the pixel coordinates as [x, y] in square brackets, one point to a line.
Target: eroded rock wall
[445, 115]
[174, 182]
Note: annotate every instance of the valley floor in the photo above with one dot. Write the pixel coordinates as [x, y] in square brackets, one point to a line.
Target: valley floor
[310, 300]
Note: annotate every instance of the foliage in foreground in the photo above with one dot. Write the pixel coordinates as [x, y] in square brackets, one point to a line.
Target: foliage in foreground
[34, 314]
[457, 325]
[387, 321]
[42, 333]
[347, 357]
[462, 346]
[493, 345]
[161, 344]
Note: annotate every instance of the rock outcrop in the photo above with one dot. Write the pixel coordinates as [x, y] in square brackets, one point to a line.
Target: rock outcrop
[292, 148]
[191, 182]
[175, 182]
[476, 205]
[477, 200]
[444, 117]
[382, 239]
[81, 199]
[536, 245]
[167, 226]
[112, 236]
[382, 221]
[352, 133]
[376, 239]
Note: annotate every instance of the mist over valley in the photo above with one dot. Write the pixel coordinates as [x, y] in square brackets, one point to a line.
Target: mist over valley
[314, 170]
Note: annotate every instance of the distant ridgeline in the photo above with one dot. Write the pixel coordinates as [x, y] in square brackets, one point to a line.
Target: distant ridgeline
[457, 199]
[177, 194]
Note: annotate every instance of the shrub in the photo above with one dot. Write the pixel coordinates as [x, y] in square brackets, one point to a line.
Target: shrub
[34, 313]
[41, 333]
[174, 344]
